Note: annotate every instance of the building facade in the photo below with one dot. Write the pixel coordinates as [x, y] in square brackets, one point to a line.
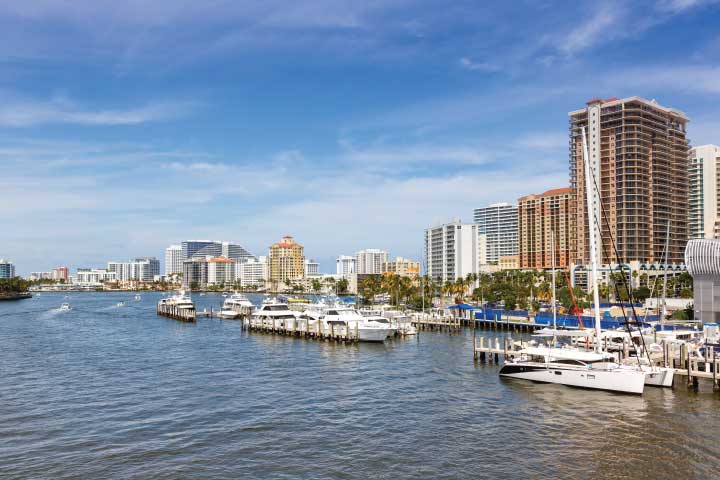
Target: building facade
[142, 269]
[703, 182]
[638, 158]
[702, 257]
[61, 274]
[7, 269]
[345, 266]
[451, 251]
[499, 223]
[94, 276]
[253, 273]
[204, 248]
[195, 272]
[312, 268]
[538, 216]
[287, 260]
[221, 271]
[403, 267]
[173, 260]
[369, 262]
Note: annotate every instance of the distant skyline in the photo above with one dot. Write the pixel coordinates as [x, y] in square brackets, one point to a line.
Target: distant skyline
[127, 127]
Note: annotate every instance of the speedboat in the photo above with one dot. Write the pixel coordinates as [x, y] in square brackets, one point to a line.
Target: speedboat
[137, 297]
[120, 304]
[65, 306]
[575, 368]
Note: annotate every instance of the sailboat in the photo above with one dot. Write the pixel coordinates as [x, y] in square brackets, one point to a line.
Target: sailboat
[573, 366]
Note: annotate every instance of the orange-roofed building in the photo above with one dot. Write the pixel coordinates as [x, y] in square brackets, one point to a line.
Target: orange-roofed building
[538, 215]
[287, 260]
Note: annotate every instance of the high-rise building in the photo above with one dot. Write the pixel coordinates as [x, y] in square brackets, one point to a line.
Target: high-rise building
[638, 155]
[499, 224]
[235, 251]
[452, 251]
[142, 269]
[60, 273]
[254, 272]
[312, 268]
[195, 272]
[173, 259]
[7, 269]
[403, 267]
[369, 261]
[94, 276]
[345, 266]
[703, 183]
[538, 215]
[221, 271]
[287, 260]
[190, 248]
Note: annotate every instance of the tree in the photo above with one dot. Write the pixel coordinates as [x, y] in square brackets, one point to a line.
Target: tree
[316, 285]
[342, 285]
[194, 285]
[641, 294]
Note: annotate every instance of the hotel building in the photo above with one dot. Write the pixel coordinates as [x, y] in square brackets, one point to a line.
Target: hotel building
[345, 266]
[499, 224]
[287, 260]
[254, 272]
[704, 181]
[221, 271]
[538, 215]
[403, 267]
[638, 154]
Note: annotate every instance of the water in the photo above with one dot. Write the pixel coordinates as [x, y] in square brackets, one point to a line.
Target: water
[108, 392]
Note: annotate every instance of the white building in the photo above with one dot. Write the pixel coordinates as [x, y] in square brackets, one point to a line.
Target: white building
[40, 276]
[254, 272]
[221, 271]
[345, 266]
[312, 268]
[94, 276]
[499, 222]
[142, 269]
[370, 261]
[173, 260]
[452, 251]
[703, 176]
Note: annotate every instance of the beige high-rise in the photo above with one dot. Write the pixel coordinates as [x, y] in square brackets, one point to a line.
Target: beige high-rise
[538, 215]
[638, 153]
[287, 260]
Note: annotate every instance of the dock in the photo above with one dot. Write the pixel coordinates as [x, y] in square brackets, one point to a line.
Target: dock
[301, 328]
[683, 360]
[436, 322]
[181, 314]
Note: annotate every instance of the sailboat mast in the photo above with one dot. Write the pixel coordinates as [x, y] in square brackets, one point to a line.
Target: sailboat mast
[552, 256]
[665, 260]
[591, 234]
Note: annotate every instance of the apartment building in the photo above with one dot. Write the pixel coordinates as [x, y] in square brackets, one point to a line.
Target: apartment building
[538, 216]
[452, 251]
[703, 184]
[499, 224]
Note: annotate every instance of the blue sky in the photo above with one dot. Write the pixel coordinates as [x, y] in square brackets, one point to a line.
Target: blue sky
[128, 126]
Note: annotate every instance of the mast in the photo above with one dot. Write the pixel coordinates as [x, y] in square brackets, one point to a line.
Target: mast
[664, 295]
[591, 234]
[554, 303]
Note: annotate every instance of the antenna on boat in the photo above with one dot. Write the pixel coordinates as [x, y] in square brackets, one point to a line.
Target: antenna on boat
[591, 234]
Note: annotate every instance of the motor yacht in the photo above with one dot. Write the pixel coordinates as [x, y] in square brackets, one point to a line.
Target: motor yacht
[235, 306]
[180, 300]
[273, 314]
[368, 330]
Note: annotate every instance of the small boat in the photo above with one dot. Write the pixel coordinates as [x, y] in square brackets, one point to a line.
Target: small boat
[120, 304]
[65, 306]
[137, 297]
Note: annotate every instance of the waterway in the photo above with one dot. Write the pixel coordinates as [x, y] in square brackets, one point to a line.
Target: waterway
[102, 391]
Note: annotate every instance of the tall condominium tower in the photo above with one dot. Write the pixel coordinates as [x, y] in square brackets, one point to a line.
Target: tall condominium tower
[345, 265]
[704, 202]
[452, 251]
[499, 224]
[287, 260]
[173, 260]
[203, 248]
[370, 261]
[638, 158]
[538, 215]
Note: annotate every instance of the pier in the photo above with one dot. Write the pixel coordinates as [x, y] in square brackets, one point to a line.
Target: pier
[301, 328]
[171, 311]
[436, 322]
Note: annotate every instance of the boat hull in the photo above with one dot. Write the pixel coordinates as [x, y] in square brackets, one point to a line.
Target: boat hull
[373, 334]
[611, 380]
[660, 377]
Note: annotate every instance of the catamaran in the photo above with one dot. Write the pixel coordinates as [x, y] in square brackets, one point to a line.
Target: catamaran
[573, 366]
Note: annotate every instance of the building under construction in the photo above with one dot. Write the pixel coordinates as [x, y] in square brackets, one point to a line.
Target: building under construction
[638, 154]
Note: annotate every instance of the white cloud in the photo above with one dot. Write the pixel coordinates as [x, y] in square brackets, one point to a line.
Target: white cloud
[18, 112]
[469, 64]
[595, 29]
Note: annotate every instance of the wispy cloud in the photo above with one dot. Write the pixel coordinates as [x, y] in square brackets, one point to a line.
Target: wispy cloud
[469, 64]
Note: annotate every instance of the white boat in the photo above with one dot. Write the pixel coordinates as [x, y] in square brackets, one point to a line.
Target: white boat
[137, 297]
[120, 304]
[380, 320]
[180, 300]
[65, 306]
[368, 331]
[274, 314]
[235, 306]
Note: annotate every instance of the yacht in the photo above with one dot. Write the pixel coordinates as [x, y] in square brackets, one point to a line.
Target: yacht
[274, 314]
[236, 305]
[65, 306]
[180, 300]
[368, 330]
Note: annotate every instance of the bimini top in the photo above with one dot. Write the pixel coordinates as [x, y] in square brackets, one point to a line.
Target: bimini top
[702, 256]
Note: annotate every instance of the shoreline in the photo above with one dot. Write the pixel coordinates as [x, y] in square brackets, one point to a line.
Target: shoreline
[15, 296]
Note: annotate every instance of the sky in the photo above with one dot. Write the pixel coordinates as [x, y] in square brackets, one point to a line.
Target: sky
[129, 126]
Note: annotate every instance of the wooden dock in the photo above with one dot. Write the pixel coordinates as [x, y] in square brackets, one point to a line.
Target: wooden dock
[301, 328]
[684, 361]
[171, 311]
[436, 322]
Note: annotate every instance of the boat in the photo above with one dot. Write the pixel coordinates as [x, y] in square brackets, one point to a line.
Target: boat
[180, 300]
[137, 297]
[65, 306]
[367, 330]
[273, 314]
[120, 304]
[235, 306]
[573, 366]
